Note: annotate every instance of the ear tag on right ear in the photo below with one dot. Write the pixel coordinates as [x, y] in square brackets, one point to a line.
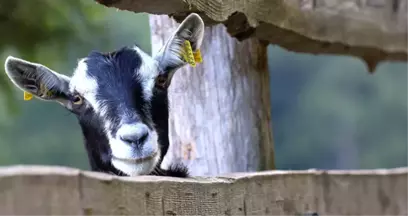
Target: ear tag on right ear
[189, 56]
[197, 57]
[27, 96]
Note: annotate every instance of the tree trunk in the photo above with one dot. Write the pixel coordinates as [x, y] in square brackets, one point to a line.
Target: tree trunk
[220, 118]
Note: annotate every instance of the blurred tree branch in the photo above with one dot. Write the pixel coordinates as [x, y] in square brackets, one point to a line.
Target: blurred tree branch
[28, 26]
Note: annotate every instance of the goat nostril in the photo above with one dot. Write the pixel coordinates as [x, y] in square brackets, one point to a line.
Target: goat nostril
[133, 134]
[143, 138]
[135, 139]
[129, 139]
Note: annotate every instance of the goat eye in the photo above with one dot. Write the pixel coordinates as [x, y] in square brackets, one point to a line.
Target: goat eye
[77, 100]
[161, 81]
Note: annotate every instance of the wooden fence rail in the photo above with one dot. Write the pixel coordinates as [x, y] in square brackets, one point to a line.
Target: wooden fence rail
[51, 190]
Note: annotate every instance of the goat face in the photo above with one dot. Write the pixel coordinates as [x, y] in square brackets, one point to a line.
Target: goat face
[120, 98]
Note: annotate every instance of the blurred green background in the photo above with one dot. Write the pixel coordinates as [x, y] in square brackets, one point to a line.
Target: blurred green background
[328, 112]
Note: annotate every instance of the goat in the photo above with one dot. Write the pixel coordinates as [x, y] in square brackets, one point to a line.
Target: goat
[120, 100]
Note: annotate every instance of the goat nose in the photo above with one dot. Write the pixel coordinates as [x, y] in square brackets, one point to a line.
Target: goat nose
[134, 135]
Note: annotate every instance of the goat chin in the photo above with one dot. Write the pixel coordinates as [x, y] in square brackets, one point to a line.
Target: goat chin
[135, 169]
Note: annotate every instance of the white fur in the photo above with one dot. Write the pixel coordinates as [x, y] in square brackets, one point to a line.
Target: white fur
[131, 169]
[86, 86]
[124, 151]
[147, 73]
[121, 150]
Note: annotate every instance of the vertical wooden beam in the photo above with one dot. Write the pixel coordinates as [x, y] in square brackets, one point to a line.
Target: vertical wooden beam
[220, 119]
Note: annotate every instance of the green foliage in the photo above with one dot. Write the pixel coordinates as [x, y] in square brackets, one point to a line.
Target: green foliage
[28, 26]
[329, 112]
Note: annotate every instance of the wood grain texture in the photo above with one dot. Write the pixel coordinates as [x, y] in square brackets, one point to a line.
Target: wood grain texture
[219, 110]
[373, 30]
[52, 190]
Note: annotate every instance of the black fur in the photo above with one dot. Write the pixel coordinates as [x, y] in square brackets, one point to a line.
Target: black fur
[118, 85]
[175, 170]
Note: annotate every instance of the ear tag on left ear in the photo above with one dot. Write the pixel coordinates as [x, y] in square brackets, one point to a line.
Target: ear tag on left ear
[44, 92]
[27, 96]
[189, 56]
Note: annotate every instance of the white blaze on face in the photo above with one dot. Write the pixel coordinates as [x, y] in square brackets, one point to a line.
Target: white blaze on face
[124, 155]
[147, 73]
[85, 85]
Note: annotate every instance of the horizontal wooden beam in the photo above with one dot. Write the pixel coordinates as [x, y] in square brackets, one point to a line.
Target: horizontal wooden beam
[48, 190]
[373, 30]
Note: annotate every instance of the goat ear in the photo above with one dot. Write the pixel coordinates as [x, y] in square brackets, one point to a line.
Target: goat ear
[36, 79]
[171, 55]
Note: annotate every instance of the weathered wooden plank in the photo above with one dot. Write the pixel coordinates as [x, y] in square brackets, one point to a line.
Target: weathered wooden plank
[47, 190]
[373, 30]
[219, 120]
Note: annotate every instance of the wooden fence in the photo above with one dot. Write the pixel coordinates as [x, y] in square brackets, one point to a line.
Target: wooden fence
[45, 190]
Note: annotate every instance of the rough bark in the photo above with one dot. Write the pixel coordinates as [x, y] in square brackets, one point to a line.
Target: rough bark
[45, 190]
[220, 118]
[373, 30]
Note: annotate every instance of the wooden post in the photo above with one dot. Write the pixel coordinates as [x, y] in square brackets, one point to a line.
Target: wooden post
[220, 119]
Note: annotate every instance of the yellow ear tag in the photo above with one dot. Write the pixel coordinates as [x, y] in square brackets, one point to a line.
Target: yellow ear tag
[43, 92]
[27, 96]
[189, 56]
[197, 57]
